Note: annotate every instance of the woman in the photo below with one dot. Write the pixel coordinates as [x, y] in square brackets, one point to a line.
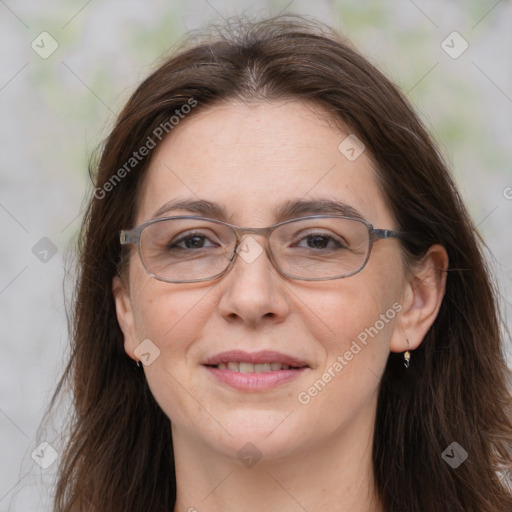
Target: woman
[282, 302]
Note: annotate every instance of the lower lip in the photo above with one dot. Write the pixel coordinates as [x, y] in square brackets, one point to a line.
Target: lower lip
[255, 381]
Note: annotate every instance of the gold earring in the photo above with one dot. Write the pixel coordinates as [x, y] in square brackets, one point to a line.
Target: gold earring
[407, 355]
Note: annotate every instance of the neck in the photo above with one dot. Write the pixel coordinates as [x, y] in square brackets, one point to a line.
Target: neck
[335, 476]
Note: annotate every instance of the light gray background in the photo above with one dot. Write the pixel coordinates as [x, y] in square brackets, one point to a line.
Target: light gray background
[55, 111]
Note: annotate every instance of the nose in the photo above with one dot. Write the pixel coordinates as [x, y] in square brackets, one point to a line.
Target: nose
[254, 291]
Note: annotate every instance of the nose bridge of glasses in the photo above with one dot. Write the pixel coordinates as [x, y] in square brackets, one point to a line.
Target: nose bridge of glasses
[243, 234]
[247, 247]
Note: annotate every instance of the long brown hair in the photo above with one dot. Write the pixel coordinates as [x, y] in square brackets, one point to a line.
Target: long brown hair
[119, 453]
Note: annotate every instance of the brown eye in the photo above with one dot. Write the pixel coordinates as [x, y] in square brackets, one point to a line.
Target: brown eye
[320, 242]
[192, 241]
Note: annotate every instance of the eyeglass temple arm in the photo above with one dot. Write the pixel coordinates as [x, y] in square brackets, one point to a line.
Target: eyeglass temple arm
[131, 236]
[390, 233]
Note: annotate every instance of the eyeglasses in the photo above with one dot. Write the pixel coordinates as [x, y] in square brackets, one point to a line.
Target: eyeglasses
[189, 249]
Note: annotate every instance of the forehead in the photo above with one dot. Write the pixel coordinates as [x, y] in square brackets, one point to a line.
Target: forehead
[254, 158]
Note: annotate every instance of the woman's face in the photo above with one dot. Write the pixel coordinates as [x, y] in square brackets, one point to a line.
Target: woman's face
[251, 160]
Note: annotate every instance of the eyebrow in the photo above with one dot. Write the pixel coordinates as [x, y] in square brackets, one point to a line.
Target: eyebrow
[287, 210]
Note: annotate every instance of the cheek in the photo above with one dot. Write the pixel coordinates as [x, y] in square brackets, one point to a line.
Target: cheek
[345, 310]
[357, 319]
[173, 321]
[345, 386]
[170, 315]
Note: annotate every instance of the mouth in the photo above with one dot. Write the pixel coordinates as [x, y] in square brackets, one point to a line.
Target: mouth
[256, 362]
[254, 371]
[246, 367]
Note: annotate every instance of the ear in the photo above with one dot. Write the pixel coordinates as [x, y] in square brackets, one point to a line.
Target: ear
[421, 300]
[125, 316]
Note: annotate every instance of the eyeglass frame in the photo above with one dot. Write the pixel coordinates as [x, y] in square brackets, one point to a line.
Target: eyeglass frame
[133, 237]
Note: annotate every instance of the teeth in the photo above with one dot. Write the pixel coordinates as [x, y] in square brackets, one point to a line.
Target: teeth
[246, 368]
[243, 367]
[234, 367]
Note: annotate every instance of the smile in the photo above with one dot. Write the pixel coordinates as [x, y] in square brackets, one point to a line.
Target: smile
[244, 367]
[257, 371]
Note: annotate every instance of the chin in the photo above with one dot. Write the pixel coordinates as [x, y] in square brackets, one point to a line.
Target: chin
[271, 435]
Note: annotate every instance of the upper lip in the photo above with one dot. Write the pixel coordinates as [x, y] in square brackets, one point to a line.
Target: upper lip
[263, 356]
